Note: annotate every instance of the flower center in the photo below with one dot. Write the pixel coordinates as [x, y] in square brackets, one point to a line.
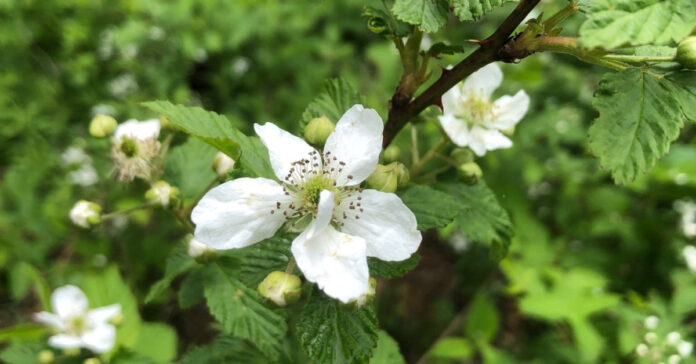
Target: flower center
[476, 109]
[129, 147]
[77, 325]
[312, 189]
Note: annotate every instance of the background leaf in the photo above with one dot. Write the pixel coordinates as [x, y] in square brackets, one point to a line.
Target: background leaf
[428, 15]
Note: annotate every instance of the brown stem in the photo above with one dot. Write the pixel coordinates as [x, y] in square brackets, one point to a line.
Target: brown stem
[402, 109]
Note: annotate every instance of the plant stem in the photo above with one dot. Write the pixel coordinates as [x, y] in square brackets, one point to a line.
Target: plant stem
[638, 59]
[126, 211]
[561, 15]
[183, 220]
[430, 154]
[291, 266]
[570, 46]
[415, 156]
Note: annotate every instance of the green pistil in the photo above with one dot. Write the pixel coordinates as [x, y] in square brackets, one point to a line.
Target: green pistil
[129, 147]
[477, 109]
[313, 188]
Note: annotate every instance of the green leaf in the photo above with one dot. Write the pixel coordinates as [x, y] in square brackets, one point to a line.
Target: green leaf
[482, 320]
[21, 353]
[683, 86]
[381, 268]
[395, 27]
[452, 348]
[242, 312]
[178, 262]
[330, 332]
[131, 357]
[337, 97]
[22, 331]
[189, 167]
[630, 140]
[218, 131]
[474, 9]
[428, 15]
[156, 341]
[432, 208]
[387, 351]
[262, 258]
[191, 289]
[482, 218]
[226, 349]
[616, 23]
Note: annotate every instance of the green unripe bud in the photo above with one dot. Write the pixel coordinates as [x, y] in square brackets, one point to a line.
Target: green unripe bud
[470, 173]
[102, 125]
[686, 53]
[46, 357]
[281, 288]
[384, 178]
[92, 361]
[318, 130]
[462, 155]
[392, 154]
[402, 174]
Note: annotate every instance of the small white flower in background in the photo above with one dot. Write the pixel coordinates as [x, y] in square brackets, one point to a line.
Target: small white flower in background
[674, 338]
[688, 217]
[674, 359]
[134, 146]
[651, 338]
[102, 109]
[85, 214]
[651, 322]
[155, 33]
[197, 249]
[75, 325]
[129, 51]
[240, 66]
[222, 164]
[123, 85]
[85, 176]
[685, 348]
[73, 156]
[689, 253]
[642, 350]
[471, 119]
[200, 55]
[319, 194]
[161, 193]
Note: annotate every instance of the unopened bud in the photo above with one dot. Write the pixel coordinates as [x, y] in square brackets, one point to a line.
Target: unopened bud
[462, 155]
[642, 350]
[686, 53]
[199, 251]
[384, 178]
[92, 361]
[392, 154]
[402, 174]
[368, 296]
[102, 125]
[281, 288]
[650, 337]
[117, 319]
[470, 173]
[674, 359]
[651, 322]
[161, 193]
[222, 164]
[46, 357]
[318, 130]
[685, 348]
[674, 338]
[85, 214]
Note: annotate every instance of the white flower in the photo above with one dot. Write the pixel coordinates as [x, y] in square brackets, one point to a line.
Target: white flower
[674, 338]
[642, 350]
[85, 213]
[685, 348]
[123, 85]
[650, 338]
[74, 155]
[85, 176]
[196, 248]
[240, 66]
[319, 193]
[689, 253]
[75, 325]
[674, 359]
[651, 322]
[688, 217]
[222, 164]
[134, 146]
[471, 119]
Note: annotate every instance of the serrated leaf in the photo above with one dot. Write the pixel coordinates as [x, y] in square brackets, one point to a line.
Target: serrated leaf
[336, 98]
[131, 357]
[428, 15]
[638, 120]
[241, 311]
[616, 23]
[330, 332]
[473, 9]
[226, 349]
[262, 258]
[218, 131]
[191, 289]
[683, 87]
[452, 348]
[432, 208]
[390, 270]
[189, 167]
[21, 353]
[178, 262]
[387, 351]
[482, 218]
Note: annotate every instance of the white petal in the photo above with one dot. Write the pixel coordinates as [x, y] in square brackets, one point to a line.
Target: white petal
[102, 315]
[335, 261]
[484, 81]
[100, 339]
[138, 129]
[284, 149]
[65, 341]
[357, 142]
[324, 213]
[482, 140]
[387, 225]
[68, 302]
[451, 101]
[239, 213]
[50, 320]
[508, 111]
[456, 129]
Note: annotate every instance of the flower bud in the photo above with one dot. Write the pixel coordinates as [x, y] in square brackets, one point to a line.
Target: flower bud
[462, 155]
[161, 193]
[102, 125]
[650, 337]
[92, 361]
[685, 348]
[392, 154]
[470, 173]
[46, 357]
[117, 319]
[686, 53]
[674, 359]
[199, 251]
[368, 296]
[85, 214]
[402, 174]
[642, 350]
[222, 164]
[384, 178]
[674, 338]
[651, 322]
[318, 130]
[281, 288]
